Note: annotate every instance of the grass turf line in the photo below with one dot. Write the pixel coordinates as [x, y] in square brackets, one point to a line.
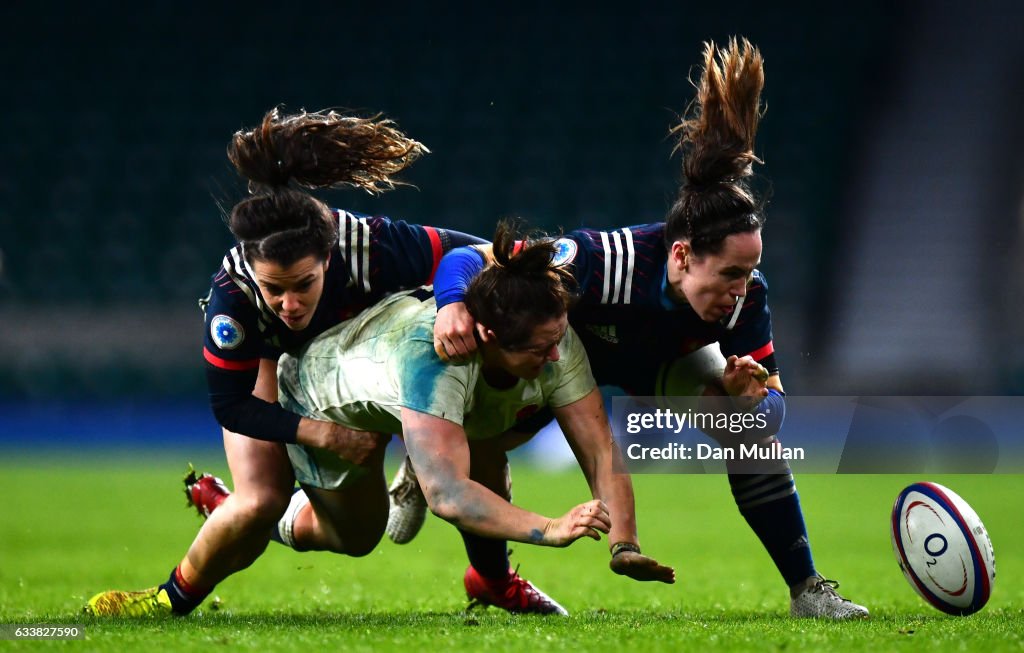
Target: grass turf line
[73, 530]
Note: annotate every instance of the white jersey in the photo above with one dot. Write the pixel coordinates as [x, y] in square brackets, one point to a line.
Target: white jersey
[362, 372]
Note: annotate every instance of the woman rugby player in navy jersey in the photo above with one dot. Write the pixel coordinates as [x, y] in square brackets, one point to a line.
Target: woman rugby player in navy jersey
[653, 300]
[299, 268]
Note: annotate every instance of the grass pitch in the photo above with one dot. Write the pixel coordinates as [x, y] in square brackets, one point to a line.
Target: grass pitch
[72, 529]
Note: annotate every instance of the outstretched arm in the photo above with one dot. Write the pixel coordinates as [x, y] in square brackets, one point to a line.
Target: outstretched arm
[440, 454]
[586, 428]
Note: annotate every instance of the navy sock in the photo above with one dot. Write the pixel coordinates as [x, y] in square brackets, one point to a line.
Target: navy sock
[184, 597]
[489, 557]
[771, 506]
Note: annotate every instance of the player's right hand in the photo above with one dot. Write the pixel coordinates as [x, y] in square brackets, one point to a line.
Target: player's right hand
[454, 339]
[588, 519]
[355, 446]
[640, 567]
[745, 378]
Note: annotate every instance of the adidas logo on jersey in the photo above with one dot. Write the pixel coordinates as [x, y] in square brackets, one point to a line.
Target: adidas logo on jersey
[604, 332]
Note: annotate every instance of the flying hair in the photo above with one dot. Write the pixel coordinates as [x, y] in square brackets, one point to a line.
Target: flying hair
[280, 221]
[716, 138]
[323, 149]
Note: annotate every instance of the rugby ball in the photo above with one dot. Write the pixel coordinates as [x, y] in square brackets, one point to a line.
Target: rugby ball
[942, 548]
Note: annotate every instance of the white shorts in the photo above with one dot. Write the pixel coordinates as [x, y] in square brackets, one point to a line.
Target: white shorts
[320, 468]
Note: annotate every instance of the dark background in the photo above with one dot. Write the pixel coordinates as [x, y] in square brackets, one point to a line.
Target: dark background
[891, 140]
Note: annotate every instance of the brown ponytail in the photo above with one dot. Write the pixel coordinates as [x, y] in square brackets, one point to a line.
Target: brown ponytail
[323, 150]
[282, 223]
[716, 139]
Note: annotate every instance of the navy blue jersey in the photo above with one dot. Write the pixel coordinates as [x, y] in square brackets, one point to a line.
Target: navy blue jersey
[375, 256]
[628, 324]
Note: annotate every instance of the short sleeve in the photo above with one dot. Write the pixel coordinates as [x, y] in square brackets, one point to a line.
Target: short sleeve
[232, 340]
[571, 378]
[428, 385]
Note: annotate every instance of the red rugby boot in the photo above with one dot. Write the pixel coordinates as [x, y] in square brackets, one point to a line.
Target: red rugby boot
[513, 593]
[204, 492]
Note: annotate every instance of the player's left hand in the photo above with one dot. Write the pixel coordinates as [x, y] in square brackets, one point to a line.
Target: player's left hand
[744, 377]
[640, 567]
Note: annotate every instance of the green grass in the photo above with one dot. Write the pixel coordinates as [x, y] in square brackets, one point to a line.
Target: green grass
[73, 528]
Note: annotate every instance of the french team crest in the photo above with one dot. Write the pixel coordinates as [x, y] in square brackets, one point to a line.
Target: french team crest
[226, 332]
[565, 252]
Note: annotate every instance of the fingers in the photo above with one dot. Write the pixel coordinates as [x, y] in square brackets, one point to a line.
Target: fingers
[761, 373]
[441, 352]
[651, 571]
[455, 348]
[745, 363]
[464, 344]
[454, 341]
[756, 370]
[730, 366]
[744, 376]
[661, 573]
[594, 518]
[445, 351]
[642, 568]
[596, 510]
[586, 520]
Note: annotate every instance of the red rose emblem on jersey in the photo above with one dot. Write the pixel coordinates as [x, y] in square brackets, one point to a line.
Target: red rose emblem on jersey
[526, 412]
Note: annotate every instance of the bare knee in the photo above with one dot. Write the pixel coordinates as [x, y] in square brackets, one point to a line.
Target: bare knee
[259, 510]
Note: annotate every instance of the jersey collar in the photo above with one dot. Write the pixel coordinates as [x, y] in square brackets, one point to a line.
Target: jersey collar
[665, 298]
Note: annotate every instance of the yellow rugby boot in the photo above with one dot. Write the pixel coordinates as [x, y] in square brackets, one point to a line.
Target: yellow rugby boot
[153, 602]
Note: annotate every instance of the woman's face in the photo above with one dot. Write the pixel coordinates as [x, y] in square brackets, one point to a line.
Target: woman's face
[711, 283]
[293, 291]
[528, 360]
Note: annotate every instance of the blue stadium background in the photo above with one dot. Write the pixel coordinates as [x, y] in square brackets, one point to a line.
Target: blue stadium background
[895, 227]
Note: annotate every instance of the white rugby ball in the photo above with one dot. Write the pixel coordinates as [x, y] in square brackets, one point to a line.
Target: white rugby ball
[943, 548]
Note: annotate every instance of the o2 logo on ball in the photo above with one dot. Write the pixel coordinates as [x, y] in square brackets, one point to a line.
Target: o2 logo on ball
[942, 548]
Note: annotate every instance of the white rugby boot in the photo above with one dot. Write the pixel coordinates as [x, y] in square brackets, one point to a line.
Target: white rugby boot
[408, 508]
[819, 599]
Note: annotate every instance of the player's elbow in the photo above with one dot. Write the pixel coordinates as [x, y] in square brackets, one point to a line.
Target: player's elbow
[228, 411]
[447, 511]
[446, 499]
